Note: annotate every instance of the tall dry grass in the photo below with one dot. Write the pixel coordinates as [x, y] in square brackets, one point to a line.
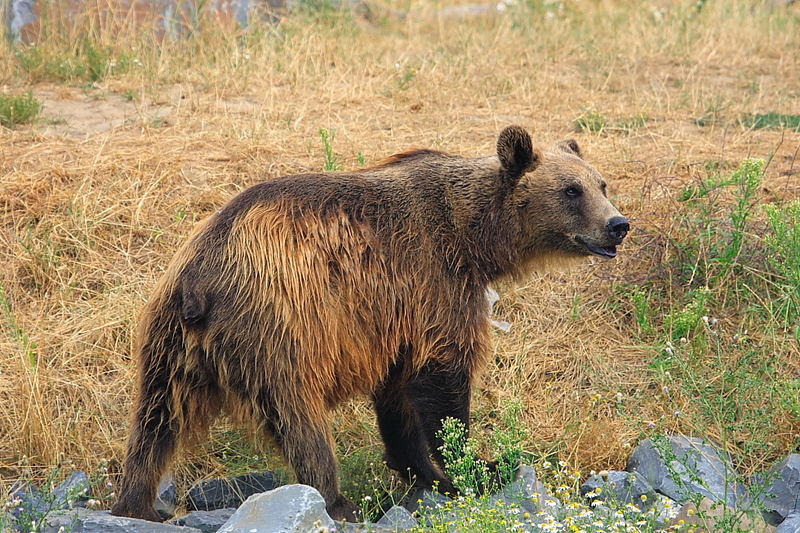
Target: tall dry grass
[88, 222]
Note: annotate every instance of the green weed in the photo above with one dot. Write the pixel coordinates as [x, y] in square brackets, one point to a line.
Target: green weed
[783, 246]
[331, 163]
[367, 481]
[468, 472]
[684, 321]
[405, 76]
[30, 514]
[27, 346]
[86, 61]
[716, 236]
[643, 314]
[18, 109]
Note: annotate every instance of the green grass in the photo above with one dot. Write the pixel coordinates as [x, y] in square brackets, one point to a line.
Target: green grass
[771, 120]
[18, 109]
[596, 122]
[591, 121]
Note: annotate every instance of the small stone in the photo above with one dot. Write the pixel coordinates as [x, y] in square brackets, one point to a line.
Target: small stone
[222, 493]
[421, 500]
[699, 468]
[781, 497]
[398, 518]
[790, 525]
[709, 515]
[166, 497]
[287, 509]
[528, 492]
[71, 492]
[620, 487]
[205, 521]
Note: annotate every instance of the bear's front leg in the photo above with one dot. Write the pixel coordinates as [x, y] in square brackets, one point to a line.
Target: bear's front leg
[439, 391]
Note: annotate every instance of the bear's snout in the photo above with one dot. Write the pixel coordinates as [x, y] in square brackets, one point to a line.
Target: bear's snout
[618, 228]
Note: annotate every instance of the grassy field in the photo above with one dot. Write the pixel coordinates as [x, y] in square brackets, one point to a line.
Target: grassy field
[124, 142]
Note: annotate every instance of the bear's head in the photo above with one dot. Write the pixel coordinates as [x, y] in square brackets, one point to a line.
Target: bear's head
[558, 200]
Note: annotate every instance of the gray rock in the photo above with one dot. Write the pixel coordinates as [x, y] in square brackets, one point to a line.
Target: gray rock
[528, 492]
[221, 493]
[287, 509]
[781, 497]
[205, 521]
[32, 503]
[422, 500]
[398, 518]
[166, 497]
[790, 525]
[86, 521]
[621, 487]
[69, 519]
[692, 466]
[73, 491]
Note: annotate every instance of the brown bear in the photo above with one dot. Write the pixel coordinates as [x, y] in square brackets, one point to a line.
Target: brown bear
[306, 290]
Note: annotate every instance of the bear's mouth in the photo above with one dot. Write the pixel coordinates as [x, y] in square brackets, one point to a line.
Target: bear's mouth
[603, 251]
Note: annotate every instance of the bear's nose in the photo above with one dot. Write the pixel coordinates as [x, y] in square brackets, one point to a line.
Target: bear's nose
[618, 227]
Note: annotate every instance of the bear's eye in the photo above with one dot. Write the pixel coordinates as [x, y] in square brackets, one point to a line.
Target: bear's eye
[573, 191]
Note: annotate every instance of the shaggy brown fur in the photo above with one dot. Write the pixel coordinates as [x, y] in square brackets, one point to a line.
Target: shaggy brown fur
[306, 290]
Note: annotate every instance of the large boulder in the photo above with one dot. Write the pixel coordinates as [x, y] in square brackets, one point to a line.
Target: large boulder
[287, 509]
[684, 466]
[222, 493]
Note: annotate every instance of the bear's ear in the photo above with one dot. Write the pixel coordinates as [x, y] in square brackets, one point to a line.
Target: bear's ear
[516, 153]
[571, 147]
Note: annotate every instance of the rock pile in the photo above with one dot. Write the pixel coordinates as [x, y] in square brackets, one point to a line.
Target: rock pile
[674, 479]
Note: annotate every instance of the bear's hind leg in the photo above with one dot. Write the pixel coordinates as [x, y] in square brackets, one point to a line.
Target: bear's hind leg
[171, 404]
[150, 446]
[304, 436]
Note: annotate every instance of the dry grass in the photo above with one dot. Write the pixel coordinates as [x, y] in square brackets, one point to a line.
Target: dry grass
[90, 217]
